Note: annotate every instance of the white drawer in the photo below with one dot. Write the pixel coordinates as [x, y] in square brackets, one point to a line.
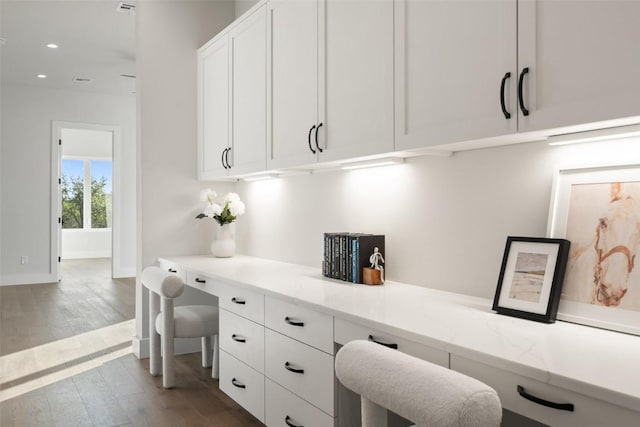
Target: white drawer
[315, 384]
[173, 268]
[303, 324]
[242, 339]
[202, 282]
[587, 411]
[243, 384]
[347, 331]
[283, 406]
[242, 301]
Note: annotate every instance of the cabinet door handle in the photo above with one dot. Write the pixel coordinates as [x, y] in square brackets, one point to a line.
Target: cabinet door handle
[561, 406]
[525, 70]
[199, 280]
[287, 365]
[309, 139]
[237, 338]
[318, 145]
[173, 270]
[393, 346]
[222, 158]
[507, 115]
[290, 423]
[238, 301]
[226, 158]
[237, 384]
[293, 322]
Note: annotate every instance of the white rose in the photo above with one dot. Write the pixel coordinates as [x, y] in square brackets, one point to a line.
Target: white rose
[212, 210]
[232, 198]
[236, 208]
[207, 195]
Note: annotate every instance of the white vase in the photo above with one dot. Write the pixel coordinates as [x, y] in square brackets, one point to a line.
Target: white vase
[224, 243]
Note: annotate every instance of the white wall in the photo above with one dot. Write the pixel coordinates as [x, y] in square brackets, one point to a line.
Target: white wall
[168, 34]
[446, 220]
[243, 5]
[26, 150]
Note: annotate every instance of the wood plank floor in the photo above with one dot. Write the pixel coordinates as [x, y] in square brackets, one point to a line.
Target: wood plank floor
[65, 360]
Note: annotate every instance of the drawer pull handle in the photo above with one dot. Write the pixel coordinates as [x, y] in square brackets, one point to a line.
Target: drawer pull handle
[198, 280]
[293, 322]
[393, 346]
[287, 365]
[173, 270]
[238, 301]
[507, 115]
[237, 338]
[525, 70]
[290, 423]
[237, 384]
[309, 139]
[554, 405]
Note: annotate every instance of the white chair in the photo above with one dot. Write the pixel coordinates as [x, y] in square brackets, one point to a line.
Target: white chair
[189, 321]
[424, 393]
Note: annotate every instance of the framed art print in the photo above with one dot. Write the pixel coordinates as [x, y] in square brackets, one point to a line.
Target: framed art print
[531, 278]
[598, 210]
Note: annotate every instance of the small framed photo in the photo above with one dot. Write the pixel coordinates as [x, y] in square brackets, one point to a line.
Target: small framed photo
[597, 208]
[531, 278]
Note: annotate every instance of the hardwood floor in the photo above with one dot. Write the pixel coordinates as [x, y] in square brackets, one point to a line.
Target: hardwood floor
[65, 360]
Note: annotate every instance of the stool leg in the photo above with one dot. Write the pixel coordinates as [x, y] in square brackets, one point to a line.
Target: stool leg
[373, 415]
[154, 336]
[206, 352]
[168, 375]
[215, 368]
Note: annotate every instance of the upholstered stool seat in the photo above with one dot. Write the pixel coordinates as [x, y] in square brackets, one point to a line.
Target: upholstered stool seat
[420, 391]
[192, 321]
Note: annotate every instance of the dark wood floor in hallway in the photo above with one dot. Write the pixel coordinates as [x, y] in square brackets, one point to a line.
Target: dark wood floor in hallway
[65, 360]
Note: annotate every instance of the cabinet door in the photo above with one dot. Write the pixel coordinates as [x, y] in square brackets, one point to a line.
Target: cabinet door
[583, 59]
[292, 81]
[247, 41]
[213, 108]
[356, 93]
[451, 58]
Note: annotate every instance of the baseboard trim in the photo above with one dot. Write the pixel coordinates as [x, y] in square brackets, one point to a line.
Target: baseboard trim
[27, 279]
[121, 273]
[140, 346]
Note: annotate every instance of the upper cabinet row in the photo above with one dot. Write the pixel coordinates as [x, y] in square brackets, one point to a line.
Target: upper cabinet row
[295, 82]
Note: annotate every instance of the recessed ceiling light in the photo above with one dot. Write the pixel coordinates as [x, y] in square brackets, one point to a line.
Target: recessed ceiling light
[41, 76]
[52, 46]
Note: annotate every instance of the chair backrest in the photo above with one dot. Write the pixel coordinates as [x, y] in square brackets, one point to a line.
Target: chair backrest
[165, 284]
[422, 392]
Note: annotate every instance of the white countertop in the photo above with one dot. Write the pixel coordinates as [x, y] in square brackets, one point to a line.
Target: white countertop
[597, 363]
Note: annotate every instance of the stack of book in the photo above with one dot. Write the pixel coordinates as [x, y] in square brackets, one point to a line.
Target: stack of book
[345, 254]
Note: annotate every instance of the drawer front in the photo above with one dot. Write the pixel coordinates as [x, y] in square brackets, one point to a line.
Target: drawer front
[242, 301]
[173, 268]
[202, 282]
[303, 324]
[243, 384]
[283, 406]
[347, 331]
[315, 384]
[242, 339]
[587, 411]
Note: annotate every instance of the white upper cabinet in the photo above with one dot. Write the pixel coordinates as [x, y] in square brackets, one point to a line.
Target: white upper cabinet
[583, 60]
[455, 61]
[331, 80]
[247, 42]
[213, 108]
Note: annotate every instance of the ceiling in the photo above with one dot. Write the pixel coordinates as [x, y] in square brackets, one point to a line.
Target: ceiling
[95, 42]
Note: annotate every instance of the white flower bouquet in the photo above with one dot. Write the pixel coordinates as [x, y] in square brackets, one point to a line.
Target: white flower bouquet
[225, 212]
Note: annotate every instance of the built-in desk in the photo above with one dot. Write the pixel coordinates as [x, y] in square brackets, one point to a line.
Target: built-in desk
[596, 370]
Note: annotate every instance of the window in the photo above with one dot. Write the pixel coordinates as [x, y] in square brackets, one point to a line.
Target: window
[90, 177]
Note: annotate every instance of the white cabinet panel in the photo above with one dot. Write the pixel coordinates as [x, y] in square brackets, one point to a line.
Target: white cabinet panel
[241, 301]
[302, 369]
[247, 42]
[583, 61]
[213, 108]
[303, 324]
[243, 339]
[243, 384]
[283, 406]
[174, 268]
[451, 57]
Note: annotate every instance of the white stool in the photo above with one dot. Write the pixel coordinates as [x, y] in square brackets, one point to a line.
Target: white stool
[424, 393]
[189, 321]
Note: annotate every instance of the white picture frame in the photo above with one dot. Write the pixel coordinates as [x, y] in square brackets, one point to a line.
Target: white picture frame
[587, 205]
